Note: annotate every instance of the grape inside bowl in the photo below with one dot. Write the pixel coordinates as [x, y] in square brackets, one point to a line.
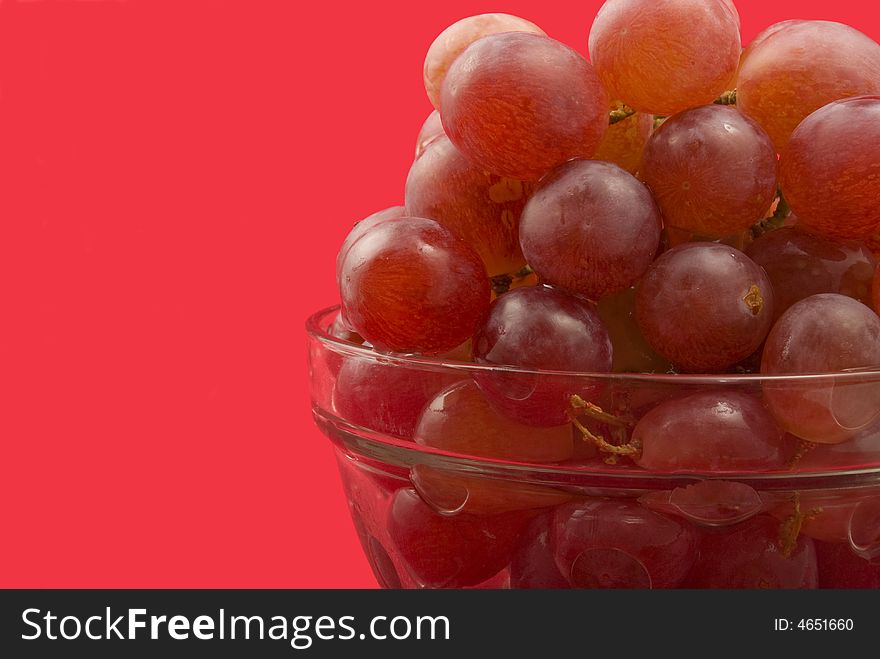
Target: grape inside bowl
[652, 480]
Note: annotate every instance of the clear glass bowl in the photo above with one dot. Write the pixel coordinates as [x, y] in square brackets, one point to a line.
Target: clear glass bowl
[433, 517]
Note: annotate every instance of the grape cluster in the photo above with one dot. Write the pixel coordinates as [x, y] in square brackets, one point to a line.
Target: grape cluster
[661, 208]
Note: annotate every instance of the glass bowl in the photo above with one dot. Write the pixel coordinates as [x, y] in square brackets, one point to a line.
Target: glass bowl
[449, 485]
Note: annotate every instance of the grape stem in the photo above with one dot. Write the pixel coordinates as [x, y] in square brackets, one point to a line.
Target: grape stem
[775, 221]
[790, 529]
[727, 98]
[619, 114]
[803, 448]
[501, 283]
[596, 412]
[580, 406]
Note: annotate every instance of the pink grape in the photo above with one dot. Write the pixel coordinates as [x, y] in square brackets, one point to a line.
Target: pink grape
[749, 555]
[710, 431]
[384, 397]
[519, 104]
[839, 567]
[480, 208]
[412, 286]
[450, 552]
[461, 420]
[801, 264]
[704, 306]
[430, 131]
[712, 171]
[453, 41]
[825, 333]
[778, 88]
[590, 228]
[876, 288]
[830, 169]
[361, 227]
[532, 564]
[620, 544]
[664, 56]
[624, 141]
[541, 328]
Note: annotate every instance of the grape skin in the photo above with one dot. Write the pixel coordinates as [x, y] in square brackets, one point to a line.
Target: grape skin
[664, 56]
[712, 171]
[704, 306]
[824, 333]
[480, 208]
[749, 555]
[450, 552]
[709, 432]
[384, 397]
[519, 104]
[460, 420]
[542, 328]
[830, 171]
[412, 286]
[801, 264]
[590, 228]
[360, 228]
[430, 131]
[453, 41]
[779, 89]
[624, 141]
[839, 567]
[664, 547]
[532, 565]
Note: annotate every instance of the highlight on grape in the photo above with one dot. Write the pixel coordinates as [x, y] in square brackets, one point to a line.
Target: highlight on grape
[629, 300]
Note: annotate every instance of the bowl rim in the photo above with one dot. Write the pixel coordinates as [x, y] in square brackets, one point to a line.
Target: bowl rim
[315, 330]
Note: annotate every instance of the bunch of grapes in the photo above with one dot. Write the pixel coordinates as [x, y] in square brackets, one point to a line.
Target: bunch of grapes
[707, 216]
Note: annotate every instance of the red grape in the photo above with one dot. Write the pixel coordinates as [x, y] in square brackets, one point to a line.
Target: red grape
[664, 56]
[712, 170]
[450, 552]
[876, 288]
[710, 502]
[825, 333]
[384, 397]
[519, 104]
[541, 328]
[830, 170]
[620, 544]
[625, 141]
[710, 431]
[590, 228]
[704, 306]
[779, 88]
[340, 329]
[631, 352]
[453, 41]
[460, 420]
[360, 228]
[839, 567]
[480, 208]
[830, 515]
[873, 243]
[749, 555]
[801, 264]
[533, 565]
[412, 286]
[430, 131]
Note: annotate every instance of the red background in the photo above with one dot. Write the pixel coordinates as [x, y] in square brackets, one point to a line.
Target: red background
[175, 177]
